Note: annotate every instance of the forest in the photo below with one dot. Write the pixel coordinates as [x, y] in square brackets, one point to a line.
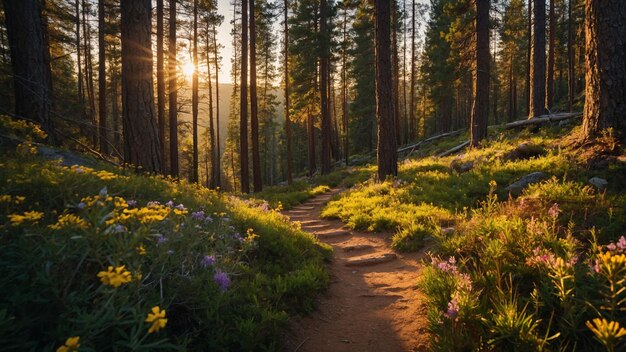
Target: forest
[312, 175]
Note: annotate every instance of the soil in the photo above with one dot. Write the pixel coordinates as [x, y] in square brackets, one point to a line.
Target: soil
[372, 303]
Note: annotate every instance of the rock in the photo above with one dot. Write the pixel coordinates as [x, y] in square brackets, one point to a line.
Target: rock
[357, 247]
[525, 150]
[371, 260]
[516, 188]
[315, 227]
[331, 233]
[461, 166]
[599, 183]
[447, 231]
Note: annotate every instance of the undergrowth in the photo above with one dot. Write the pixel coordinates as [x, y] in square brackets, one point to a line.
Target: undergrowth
[110, 260]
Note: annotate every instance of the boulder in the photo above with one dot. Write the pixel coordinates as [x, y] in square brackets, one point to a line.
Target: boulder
[461, 166]
[525, 150]
[516, 188]
[599, 183]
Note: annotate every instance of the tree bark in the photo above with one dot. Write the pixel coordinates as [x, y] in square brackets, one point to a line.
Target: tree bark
[570, 58]
[160, 82]
[141, 143]
[31, 69]
[93, 133]
[173, 94]
[480, 109]
[538, 60]
[81, 91]
[412, 121]
[194, 97]
[286, 78]
[243, 100]
[387, 144]
[550, 71]
[326, 126]
[218, 156]
[605, 68]
[395, 79]
[102, 80]
[344, 87]
[211, 178]
[257, 182]
[311, 140]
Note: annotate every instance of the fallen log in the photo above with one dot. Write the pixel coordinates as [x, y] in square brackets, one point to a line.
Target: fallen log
[543, 119]
[454, 150]
[412, 147]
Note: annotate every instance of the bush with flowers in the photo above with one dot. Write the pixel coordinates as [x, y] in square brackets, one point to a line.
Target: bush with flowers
[104, 259]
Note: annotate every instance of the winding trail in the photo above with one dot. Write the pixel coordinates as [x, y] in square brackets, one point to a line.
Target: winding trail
[372, 303]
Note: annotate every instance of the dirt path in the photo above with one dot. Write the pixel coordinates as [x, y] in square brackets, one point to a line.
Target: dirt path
[372, 303]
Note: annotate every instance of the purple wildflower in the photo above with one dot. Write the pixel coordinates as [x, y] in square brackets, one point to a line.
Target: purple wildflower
[78, 170]
[221, 279]
[81, 205]
[207, 260]
[119, 228]
[131, 203]
[198, 215]
[453, 308]
[208, 219]
[238, 237]
[181, 207]
[161, 239]
[103, 192]
[621, 243]
[170, 204]
[611, 247]
[170, 252]
[554, 210]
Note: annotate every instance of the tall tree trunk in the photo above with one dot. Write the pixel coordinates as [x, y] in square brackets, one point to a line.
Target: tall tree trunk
[311, 140]
[81, 91]
[257, 182]
[212, 153]
[550, 71]
[538, 60]
[605, 67]
[218, 156]
[194, 97]
[405, 123]
[160, 82]
[480, 111]
[395, 79]
[89, 76]
[387, 144]
[511, 114]
[412, 122]
[116, 114]
[570, 58]
[529, 38]
[173, 94]
[286, 78]
[102, 80]
[141, 143]
[243, 98]
[31, 74]
[344, 87]
[326, 125]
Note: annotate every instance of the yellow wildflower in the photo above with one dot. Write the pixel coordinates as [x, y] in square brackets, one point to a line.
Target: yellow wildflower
[115, 277]
[69, 221]
[180, 211]
[71, 344]
[157, 318]
[5, 198]
[31, 216]
[105, 175]
[19, 199]
[141, 249]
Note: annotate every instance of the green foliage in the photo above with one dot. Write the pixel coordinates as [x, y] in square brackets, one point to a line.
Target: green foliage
[228, 274]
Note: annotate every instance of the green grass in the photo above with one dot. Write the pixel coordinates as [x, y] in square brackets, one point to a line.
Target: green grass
[301, 190]
[49, 267]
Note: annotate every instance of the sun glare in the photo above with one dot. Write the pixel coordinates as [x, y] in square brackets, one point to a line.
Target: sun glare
[188, 69]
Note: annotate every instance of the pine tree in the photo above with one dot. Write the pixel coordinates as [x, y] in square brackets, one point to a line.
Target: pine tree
[141, 143]
[538, 60]
[386, 147]
[480, 111]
